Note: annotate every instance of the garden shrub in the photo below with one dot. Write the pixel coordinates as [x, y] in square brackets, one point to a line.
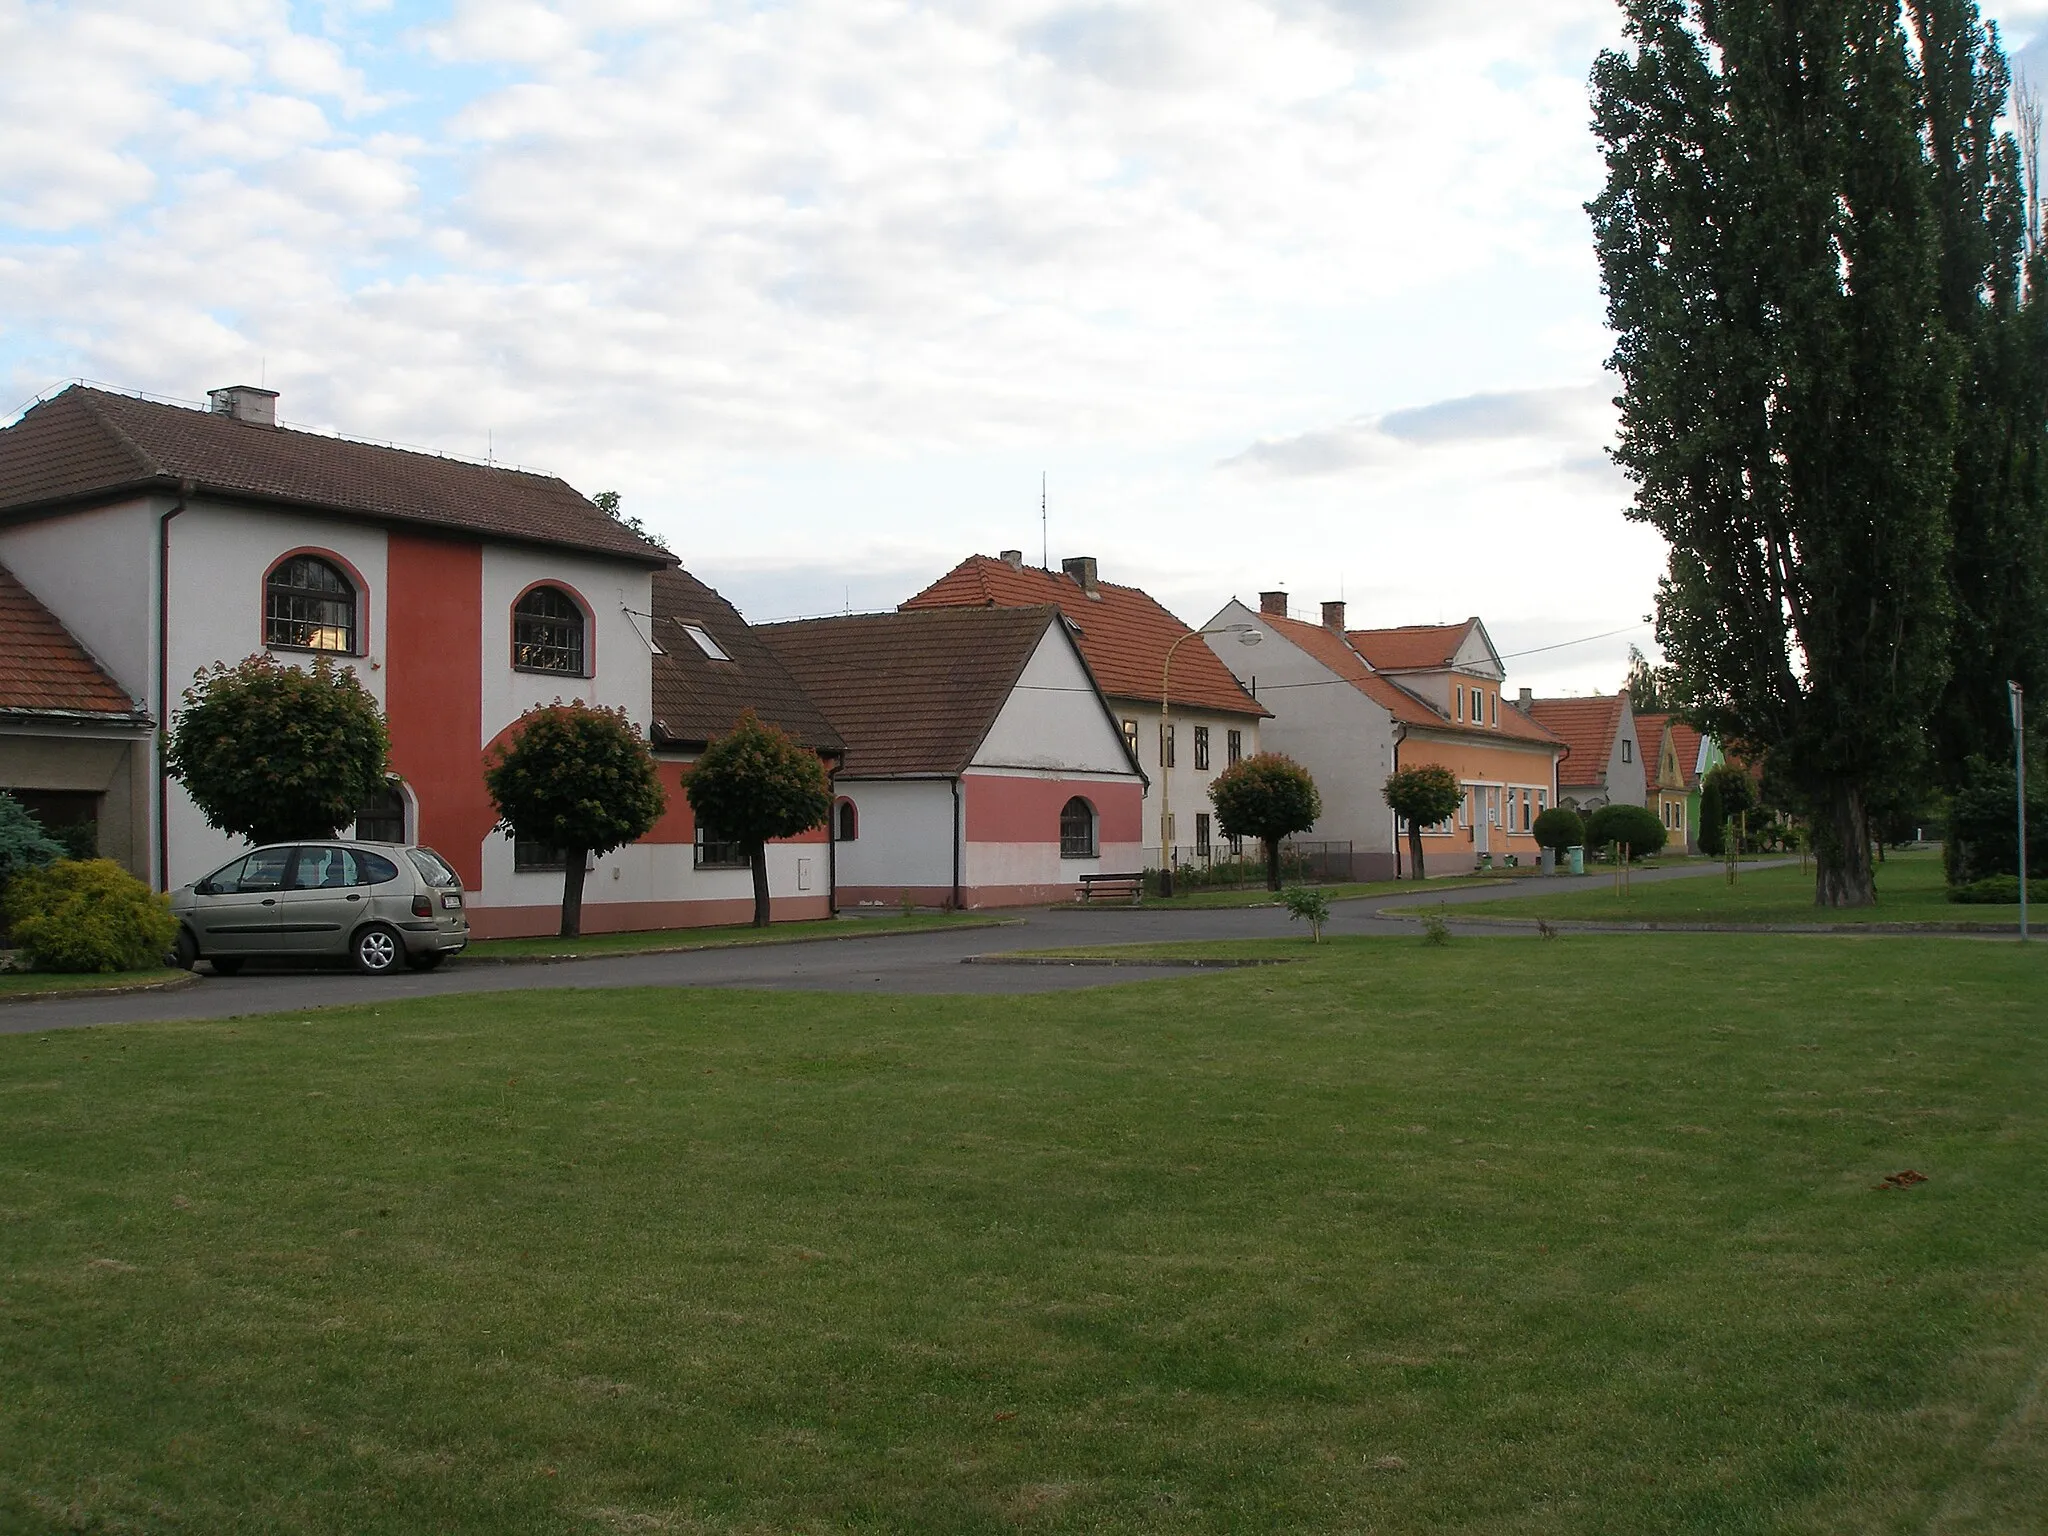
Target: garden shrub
[1999, 891]
[1560, 828]
[1983, 836]
[24, 845]
[1630, 824]
[88, 915]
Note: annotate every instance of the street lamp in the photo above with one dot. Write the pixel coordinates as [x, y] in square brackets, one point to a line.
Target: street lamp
[2018, 698]
[1247, 634]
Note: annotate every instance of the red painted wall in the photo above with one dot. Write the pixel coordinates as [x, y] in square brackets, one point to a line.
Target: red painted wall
[433, 699]
[1006, 810]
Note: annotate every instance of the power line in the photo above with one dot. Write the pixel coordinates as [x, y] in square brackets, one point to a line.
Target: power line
[1582, 640]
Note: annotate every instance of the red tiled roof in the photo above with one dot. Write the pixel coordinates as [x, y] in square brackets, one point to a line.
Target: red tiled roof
[1587, 727]
[1687, 738]
[1123, 632]
[1411, 647]
[43, 669]
[1650, 738]
[697, 699]
[910, 693]
[86, 443]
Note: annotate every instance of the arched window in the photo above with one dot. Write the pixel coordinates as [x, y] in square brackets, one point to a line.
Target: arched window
[309, 605]
[849, 822]
[1077, 830]
[381, 818]
[547, 632]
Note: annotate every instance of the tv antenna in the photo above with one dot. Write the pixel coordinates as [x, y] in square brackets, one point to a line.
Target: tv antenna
[1044, 535]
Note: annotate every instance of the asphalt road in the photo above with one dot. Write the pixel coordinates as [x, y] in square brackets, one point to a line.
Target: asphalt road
[897, 963]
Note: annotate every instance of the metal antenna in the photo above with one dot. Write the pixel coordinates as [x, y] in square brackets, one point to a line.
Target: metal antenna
[1044, 529]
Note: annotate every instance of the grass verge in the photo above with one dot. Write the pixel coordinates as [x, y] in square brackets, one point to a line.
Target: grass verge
[1343, 891]
[673, 940]
[15, 985]
[1491, 1238]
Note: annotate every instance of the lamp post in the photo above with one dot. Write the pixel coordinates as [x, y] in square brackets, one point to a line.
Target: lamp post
[1247, 634]
[2018, 698]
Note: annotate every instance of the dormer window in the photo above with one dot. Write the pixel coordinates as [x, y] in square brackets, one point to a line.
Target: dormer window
[308, 605]
[547, 632]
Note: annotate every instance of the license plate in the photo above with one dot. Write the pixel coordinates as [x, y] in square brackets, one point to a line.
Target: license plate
[450, 900]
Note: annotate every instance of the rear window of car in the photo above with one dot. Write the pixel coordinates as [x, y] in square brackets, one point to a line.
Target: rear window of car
[432, 867]
[376, 868]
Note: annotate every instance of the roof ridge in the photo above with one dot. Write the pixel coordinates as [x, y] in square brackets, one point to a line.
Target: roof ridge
[89, 402]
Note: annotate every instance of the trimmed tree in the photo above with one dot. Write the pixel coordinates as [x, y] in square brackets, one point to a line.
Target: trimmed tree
[755, 783]
[1630, 826]
[1559, 828]
[577, 778]
[1713, 828]
[271, 752]
[1268, 797]
[1422, 797]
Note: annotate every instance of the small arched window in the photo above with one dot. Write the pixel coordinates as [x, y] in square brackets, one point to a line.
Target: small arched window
[381, 818]
[1077, 830]
[310, 606]
[547, 632]
[848, 828]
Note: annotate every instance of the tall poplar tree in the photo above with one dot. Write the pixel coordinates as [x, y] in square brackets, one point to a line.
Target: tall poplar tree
[1770, 240]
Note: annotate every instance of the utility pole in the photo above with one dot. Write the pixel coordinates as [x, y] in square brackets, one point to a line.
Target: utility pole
[2018, 698]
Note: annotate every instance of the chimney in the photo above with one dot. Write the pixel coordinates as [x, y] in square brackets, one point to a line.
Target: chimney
[245, 402]
[1273, 604]
[1014, 559]
[1333, 616]
[1082, 569]
[1528, 697]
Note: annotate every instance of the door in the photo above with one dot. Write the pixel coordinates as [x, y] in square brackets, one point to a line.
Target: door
[234, 909]
[1485, 814]
[321, 901]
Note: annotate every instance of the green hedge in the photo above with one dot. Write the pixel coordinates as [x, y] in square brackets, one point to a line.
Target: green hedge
[83, 915]
[1999, 891]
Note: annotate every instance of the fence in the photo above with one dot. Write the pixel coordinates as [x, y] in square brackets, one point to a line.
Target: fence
[1222, 866]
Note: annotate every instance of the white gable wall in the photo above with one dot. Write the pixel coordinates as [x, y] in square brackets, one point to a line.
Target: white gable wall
[1054, 719]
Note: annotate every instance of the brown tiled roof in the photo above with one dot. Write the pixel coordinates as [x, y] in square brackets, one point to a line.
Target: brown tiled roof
[1587, 727]
[1122, 631]
[43, 669]
[1411, 647]
[911, 693]
[696, 698]
[90, 443]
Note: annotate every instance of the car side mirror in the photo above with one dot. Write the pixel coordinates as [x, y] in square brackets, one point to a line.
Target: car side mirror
[204, 888]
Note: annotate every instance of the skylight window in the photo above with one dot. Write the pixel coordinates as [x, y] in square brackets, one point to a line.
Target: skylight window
[705, 643]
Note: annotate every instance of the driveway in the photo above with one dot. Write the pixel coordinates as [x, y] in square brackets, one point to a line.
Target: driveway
[899, 963]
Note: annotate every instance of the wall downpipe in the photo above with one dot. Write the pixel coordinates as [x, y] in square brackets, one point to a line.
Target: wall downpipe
[186, 489]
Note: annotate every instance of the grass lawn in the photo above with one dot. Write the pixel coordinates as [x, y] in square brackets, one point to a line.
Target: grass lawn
[1259, 896]
[1506, 1236]
[21, 983]
[671, 939]
[1909, 890]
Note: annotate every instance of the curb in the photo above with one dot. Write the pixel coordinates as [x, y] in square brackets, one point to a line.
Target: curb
[466, 961]
[1104, 960]
[1619, 925]
[56, 994]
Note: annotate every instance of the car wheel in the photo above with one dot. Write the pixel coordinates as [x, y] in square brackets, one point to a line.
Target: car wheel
[224, 965]
[185, 952]
[426, 960]
[377, 949]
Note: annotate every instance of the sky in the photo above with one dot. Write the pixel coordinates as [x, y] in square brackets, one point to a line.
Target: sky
[1291, 294]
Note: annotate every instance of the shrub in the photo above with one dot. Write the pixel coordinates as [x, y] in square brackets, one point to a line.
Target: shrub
[24, 845]
[1999, 891]
[89, 915]
[1632, 825]
[1560, 828]
[1713, 819]
[1983, 835]
[1306, 901]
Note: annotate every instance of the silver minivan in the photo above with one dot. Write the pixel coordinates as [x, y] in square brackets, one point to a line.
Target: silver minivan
[373, 904]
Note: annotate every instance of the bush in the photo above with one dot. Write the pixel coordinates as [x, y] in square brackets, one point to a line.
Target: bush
[89, 915]
[1983, 835]
[24, 845]
[1560, 828]
[1638, 828]
[1999, 891]
[1305, 901]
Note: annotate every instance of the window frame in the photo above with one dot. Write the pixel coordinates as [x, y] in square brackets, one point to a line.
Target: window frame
[586, 649]
[1202, 749]
[1070, 841]
[1628, 750]
[531, 856]
[1233, 748]
[1131, 737]
[1204, 844]
[395, 788]
[703, 841]
[358, 604]
[845, 821]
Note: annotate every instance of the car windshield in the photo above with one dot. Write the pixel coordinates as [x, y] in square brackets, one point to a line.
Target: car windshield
[432, 867]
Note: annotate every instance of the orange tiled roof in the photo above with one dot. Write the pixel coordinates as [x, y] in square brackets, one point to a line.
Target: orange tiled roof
[1411, 647]
[1650, 738]
[1123, 632]
[43, 669]
[1687, 738]
[1587, 727]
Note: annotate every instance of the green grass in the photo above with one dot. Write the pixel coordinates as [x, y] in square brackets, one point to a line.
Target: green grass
[663, 940]
[1198, 896]
[22, 983]
[1509, 1236]
[1909, 890]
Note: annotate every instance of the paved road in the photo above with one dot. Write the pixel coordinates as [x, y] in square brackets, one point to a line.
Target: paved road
[900, 963]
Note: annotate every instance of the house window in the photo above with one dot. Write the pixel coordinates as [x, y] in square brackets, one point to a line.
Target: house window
[1465, 810]
[1166, 745]
[309, 605]
[1131, 736]
[1458, 701]
[1233, 747]
[1077, 829]
[717, 851]
[1527, 818]
[1202, 833]
[1493, 709]
[1628, 750]
[1478, 707]
[712, 650]
[1201, 746]
[849, 822]
[530, 856]
[381, 818]
[547, 632]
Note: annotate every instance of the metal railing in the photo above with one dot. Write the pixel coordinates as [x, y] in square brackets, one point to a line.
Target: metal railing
[1222, 866]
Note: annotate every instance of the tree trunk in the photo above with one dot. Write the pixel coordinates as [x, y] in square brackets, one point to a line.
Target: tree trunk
[1272, 863]
[1415, 848]
[573, 860]
[757, 860]
[1841, 845]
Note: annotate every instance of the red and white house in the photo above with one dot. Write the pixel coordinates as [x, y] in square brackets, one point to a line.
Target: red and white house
[167, 538]
[982, 767]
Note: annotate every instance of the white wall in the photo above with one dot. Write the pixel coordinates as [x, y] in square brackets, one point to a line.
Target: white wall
[1054, 718]
[1190, 787]
[96, 571]
[905, 833]
[616, 644]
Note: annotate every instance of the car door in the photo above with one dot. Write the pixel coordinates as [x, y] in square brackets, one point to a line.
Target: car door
[234, 909]
[321, 902]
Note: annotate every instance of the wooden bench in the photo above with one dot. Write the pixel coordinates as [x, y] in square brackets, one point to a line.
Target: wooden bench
[1129, 886]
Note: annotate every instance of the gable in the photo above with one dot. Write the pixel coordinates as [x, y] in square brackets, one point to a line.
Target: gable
[1054, 719]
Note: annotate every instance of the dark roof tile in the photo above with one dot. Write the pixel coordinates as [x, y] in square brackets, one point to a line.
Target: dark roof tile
[696, 698]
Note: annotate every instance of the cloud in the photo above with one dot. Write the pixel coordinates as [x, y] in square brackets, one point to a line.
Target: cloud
[1552, 421]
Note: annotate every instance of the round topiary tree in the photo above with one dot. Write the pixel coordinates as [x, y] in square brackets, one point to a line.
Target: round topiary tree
[1631, 826]
[754, 783]
[1422, 796]
[272, 752]
[578, 778]
[1559, 828]
[1268, 797]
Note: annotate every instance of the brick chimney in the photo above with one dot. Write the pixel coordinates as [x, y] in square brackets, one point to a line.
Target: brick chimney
[1014, 559]
[1273, 604]
[1082, 569]
[1333, 616]
[245, 402]
[1528, 697]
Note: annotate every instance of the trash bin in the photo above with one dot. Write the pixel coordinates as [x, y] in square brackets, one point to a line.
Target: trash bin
[1547, 861]
[1577, 854]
